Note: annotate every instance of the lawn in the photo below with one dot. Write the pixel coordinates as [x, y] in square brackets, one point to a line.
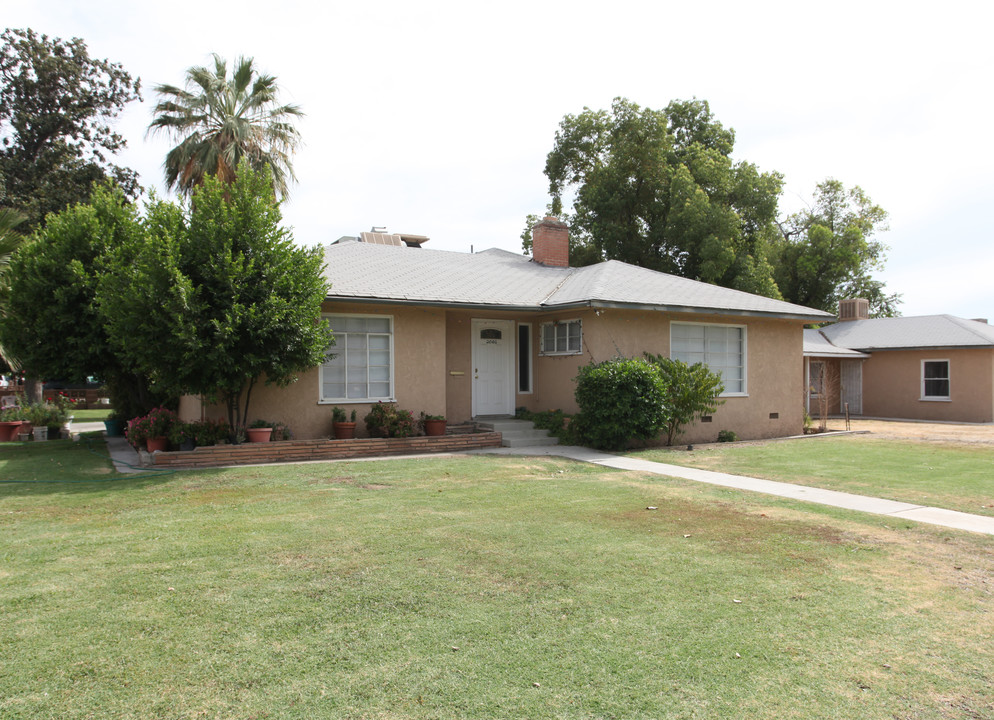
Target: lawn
[91, 415]
[477, 587]
[956, 477]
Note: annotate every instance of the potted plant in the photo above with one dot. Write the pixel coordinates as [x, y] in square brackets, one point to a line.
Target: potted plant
[259, 431]
[10, 423]
[152, 429]
[114, 425]
[183, 436]
[343, 429]
[38, 415]
[433, 424]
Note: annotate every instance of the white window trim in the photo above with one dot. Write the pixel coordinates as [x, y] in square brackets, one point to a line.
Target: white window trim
[531, 362]
[541, 337]
[949, 379]
[745, 352]
[358, 401]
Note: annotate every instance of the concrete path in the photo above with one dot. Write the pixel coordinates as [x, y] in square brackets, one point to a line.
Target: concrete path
[124, 457]
[849, 501]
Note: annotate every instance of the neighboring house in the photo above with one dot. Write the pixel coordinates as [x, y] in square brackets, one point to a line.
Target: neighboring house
[475, 335]
[933, 367]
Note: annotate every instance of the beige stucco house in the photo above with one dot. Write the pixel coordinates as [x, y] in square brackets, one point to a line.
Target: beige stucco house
[933, 367]
[472, 335]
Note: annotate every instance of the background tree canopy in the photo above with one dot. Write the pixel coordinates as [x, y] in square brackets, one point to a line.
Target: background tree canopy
[828, 252]
[660, 189]
[56, 104]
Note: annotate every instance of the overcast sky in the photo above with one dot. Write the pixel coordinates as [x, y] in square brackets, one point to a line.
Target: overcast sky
[435, 118]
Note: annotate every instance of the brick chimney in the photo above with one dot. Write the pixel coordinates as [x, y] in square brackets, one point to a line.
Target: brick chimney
[854, 309]
[550, 242]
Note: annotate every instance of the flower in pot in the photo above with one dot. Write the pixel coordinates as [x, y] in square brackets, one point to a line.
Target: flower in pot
[433, 424]
[343, 428]
[259, 431]
[183, 436]
[152, 429]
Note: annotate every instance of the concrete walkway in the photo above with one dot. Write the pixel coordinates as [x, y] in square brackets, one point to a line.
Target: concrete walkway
[849, 501]
[124, 457]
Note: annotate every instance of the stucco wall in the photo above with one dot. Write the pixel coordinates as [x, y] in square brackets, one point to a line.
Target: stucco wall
[433, 373]
[774, 360]
[419, 376]
[892, 385]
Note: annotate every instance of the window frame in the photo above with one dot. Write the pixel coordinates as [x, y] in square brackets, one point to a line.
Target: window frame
[948, 379]
[527, 351]
[744, 392]
[321, 368]
[557, 323]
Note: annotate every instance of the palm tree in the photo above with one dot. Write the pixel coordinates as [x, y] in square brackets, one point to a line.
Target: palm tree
[220, 121]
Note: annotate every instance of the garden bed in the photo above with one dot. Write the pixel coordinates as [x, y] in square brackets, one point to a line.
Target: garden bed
[301, 450]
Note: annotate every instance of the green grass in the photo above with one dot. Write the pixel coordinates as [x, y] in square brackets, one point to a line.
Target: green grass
[91, 415]
[449, 587]
[956, 477]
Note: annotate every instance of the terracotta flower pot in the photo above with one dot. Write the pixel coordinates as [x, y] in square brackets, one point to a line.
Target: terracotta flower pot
[435, 427]
[344, 430]
[9, 430]
[157, 444]
[258, 435]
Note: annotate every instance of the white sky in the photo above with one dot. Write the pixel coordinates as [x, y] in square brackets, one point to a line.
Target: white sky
[435, 117]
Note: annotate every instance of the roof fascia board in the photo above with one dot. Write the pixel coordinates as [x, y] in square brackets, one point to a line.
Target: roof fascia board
[684, 309]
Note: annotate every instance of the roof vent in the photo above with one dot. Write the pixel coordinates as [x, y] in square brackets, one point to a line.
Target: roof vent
[854, 309]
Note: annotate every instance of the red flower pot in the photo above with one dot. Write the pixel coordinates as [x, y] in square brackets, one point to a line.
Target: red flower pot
[344, 430]
[157, 443]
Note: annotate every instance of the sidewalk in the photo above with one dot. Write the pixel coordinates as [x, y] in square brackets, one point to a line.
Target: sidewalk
[849, 501]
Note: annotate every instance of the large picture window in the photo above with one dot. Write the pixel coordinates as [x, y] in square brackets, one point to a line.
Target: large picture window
[362, 369]
[935, 379]
[563, 337]
[721, 347]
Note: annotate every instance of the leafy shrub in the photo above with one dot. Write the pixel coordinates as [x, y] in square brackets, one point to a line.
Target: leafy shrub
[556, 422]
[691, 391]
[387, 421]
[620, 400]
[727, 436]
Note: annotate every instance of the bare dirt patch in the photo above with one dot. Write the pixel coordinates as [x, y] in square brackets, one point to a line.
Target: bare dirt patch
[969, 434]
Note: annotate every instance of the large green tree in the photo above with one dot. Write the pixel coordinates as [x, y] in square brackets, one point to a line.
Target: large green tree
[219, 120]
[53, 325]
[213, 300]
[10, 240]
[56, 108]
[660, 189]
[828, 252]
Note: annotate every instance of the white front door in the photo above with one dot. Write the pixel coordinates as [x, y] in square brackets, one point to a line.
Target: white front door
[493, 367]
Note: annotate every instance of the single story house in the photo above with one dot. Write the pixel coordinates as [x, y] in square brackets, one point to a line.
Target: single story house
[474, 335]
[932, 367]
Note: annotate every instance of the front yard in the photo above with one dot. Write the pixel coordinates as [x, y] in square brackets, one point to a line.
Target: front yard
[955, 477]
[475, 587]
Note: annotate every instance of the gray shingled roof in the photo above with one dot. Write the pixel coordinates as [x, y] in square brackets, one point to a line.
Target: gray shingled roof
[817, 345]
[500, 279]
[925, 331]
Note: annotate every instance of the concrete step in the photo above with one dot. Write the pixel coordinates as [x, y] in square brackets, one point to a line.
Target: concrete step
[519, 433]
[528, 441]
